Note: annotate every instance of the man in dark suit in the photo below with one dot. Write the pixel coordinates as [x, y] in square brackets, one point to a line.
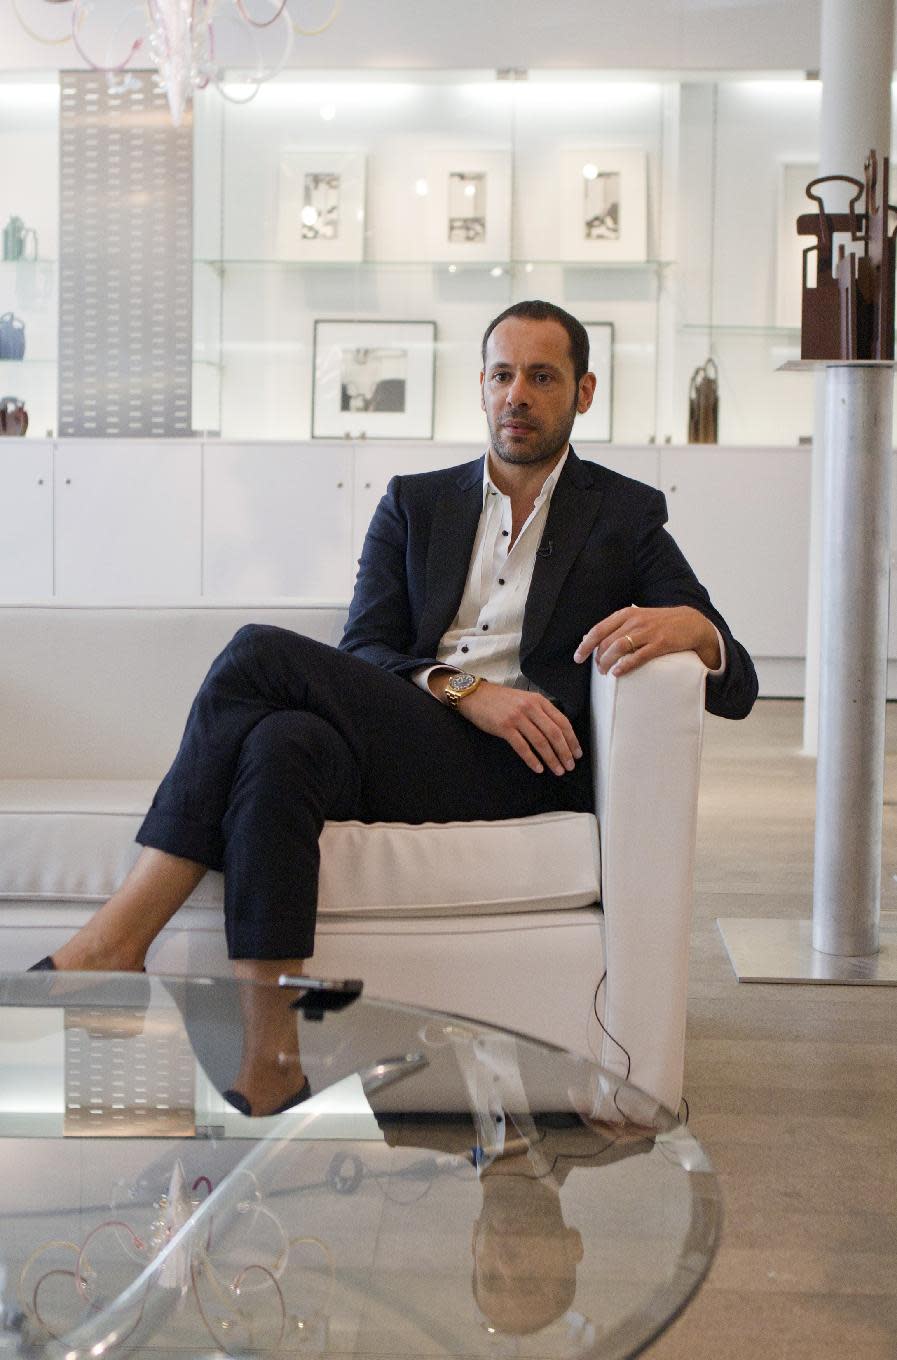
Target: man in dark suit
[460, 688]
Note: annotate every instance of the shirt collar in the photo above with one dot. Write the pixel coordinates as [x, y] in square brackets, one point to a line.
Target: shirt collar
[548, 485]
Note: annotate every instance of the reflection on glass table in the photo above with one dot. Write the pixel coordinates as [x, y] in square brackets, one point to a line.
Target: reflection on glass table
[447, 1190]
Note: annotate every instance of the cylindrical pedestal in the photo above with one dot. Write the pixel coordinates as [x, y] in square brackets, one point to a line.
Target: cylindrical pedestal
[856, 552]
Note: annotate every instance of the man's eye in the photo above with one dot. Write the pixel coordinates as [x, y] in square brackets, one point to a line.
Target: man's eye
[501, 376]
[543, 378]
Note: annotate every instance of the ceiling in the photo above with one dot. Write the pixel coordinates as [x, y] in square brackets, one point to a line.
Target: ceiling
[696, 35]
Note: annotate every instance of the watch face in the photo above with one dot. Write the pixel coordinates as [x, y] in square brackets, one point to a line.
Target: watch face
[461, 681]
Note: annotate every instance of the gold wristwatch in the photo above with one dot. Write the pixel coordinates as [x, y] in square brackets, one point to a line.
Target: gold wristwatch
[460, 686]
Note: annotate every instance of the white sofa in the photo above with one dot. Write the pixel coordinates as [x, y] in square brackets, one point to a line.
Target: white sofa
[497, 920]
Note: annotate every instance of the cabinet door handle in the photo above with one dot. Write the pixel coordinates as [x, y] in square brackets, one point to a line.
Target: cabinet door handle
[68, 481]
[40, 481]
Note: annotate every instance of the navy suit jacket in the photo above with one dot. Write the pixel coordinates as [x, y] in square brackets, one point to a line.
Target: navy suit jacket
[603, 547]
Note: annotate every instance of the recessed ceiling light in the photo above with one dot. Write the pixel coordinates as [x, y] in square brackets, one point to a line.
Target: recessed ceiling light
[590, 170]
[421, 188]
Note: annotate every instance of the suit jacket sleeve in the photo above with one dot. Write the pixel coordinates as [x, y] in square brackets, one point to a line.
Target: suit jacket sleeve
[664, 577]
[380, 627]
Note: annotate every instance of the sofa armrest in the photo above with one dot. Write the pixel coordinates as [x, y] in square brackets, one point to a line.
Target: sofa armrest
[647, 729]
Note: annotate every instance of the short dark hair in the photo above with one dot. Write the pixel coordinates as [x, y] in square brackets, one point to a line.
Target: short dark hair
[549, 311]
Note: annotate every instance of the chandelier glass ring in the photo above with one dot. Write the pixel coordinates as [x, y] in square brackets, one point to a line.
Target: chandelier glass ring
[180, 40]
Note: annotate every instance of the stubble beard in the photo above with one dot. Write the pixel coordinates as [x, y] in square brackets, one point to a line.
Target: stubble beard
[548, 446]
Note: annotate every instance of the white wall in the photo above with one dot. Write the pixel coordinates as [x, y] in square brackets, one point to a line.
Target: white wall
[694, 35]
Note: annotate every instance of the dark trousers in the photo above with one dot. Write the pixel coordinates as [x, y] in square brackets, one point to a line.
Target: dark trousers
[285, 733]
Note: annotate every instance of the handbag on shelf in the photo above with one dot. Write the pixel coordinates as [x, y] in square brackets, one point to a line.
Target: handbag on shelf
[12, 337]
[703, 405]
[13, 416]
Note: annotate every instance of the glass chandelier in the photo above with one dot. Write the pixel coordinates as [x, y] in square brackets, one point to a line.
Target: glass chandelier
[179, 38]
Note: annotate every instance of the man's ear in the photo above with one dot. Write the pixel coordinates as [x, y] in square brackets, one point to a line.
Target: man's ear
[586, 394]
[482, 392]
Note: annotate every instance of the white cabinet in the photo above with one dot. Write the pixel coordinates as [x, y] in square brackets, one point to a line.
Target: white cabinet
[632, 460]
[127, 519]
[277, 520]
[254, 521]
[742, 517]
[26, 519]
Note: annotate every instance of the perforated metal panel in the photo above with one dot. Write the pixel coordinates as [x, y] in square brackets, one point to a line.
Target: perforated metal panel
[126, 266]
[128, 1073]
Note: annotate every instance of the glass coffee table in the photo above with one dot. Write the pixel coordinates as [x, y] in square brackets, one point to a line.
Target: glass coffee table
[449, 1189]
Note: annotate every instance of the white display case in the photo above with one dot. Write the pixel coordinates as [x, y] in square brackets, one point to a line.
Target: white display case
[419, 144]
[443, 197]
[29, 285]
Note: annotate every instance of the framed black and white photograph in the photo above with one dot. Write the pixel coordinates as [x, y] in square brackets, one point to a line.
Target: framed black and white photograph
[604, 205]
[467, 198]
[373, 380]
[320, 206]
[443, 206]
[596, 426]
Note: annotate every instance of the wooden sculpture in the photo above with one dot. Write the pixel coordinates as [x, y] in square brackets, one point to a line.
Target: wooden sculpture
[849, 312]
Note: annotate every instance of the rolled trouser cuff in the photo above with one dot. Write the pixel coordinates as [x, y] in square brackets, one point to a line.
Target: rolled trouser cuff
[177, 835]
[297, 943]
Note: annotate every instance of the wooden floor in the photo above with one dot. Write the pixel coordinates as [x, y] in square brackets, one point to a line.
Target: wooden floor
[792, 1090]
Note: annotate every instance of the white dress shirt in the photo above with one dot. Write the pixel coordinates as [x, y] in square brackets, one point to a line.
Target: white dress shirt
[484, 636]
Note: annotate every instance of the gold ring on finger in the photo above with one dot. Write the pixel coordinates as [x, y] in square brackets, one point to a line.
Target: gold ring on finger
[632, 646]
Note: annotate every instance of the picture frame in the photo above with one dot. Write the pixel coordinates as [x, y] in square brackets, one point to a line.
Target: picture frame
[604, 205]
[320, 205]
[444, 206]
[373, 379]
[794, 176]
[596, 425]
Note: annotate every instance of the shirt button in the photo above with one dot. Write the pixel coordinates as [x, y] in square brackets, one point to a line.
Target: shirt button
[485, 628]
[504, 533]
[501, 580]
[465, 649]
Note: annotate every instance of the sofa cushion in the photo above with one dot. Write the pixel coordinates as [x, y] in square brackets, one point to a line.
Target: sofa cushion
[73, 840]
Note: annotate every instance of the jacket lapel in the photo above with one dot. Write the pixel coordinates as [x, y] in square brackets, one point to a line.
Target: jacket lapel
[455, 520]
[571, 515]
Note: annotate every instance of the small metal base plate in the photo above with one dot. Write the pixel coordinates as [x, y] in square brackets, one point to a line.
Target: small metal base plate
[772, 950]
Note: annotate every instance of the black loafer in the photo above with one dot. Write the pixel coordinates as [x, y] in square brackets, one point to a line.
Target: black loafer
[46, 965]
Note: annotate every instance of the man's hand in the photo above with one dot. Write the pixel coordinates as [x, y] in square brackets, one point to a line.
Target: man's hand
[530, 723]
[630, 637]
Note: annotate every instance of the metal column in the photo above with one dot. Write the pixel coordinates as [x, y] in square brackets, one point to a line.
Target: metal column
[853, 677]
[844, 942]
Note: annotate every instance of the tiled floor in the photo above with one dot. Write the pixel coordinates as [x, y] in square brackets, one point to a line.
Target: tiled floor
[793, 1090]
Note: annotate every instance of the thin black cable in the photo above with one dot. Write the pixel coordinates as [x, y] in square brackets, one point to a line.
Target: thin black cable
[621, 1047]
[623, 1050]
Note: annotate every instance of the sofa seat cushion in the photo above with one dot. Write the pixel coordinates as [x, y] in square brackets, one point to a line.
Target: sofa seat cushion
[73, 840]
